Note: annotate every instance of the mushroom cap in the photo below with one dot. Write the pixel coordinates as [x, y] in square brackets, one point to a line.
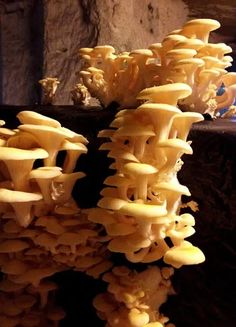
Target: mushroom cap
[163, 92]
[172, 187]
[189, 44]
[155, 107]
[11, 196]
[137, 168]
[134, 130]
[8, 153]
[143, 210]
[194, 62]
[35, 129]
[31, 117]
[72, 146]
[12, 246]
[184, 254]
[178, 144]
[141, 52]
[177, 54]
[14, 267]
[45, 172]
[208, 24]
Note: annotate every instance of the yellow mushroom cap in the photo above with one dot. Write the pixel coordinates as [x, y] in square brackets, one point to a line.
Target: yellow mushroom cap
[11, 196]
[184, 254]
[8, 153]
[165, 93]
[31, 117]
[137, 168]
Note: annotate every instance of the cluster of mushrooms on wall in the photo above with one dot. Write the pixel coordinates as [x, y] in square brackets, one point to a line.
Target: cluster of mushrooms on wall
[43, 231]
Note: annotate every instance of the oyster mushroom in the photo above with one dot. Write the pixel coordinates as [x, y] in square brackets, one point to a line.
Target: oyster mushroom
[22, 203]
[44, 177]
[19, 163]
[50, 138]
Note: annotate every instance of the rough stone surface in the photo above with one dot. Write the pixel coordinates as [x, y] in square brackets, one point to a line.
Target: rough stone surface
[136, 24]
[68, 27]
[20, 58]
[41, 38]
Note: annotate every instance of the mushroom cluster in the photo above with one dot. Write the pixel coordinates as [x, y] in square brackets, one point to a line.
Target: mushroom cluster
[49, 85]
[42, 230]
[25, 305]
[184, 56]
[133, 299]
[140, 204]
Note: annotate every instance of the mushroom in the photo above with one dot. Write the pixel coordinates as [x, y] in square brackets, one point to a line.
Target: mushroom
[182, 124]
[44, 177]
[63, 186]
[13, 246]
[20, 160]
[140, 172]
[200, 28]
[22, 203]
[184, 254]
[35, 275]
[73, 239]
[56, 315]
[35, 118]
[43, 290]
[172, 193]
[73, 152]
[50, 138]
[14, 267]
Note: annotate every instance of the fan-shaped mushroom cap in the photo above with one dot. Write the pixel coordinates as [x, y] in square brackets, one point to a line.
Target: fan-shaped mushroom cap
[19, 163]
[31, 117]
[200, 28]
[13, 246]
[168, 94]
[21, 203]
[137, 169]
[51, 224]
[44, 177]
[74, 150]
[14, 267]
[184, 254]
[22, 140]
[43, 289]
[49, 138]
[195, 44]
[9, 286]
[55, 315]
[178, 144]
[183, 122]
[178, 54]
[35, 275]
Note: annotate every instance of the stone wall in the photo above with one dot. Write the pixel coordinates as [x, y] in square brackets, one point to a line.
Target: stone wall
[42, 37]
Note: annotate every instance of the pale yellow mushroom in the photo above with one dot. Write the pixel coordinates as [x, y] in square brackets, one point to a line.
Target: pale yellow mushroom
[140, 172]
[22, 203]
[182, 124]
[44, 177]
[200, 28]
[184, 254]
[50, 138]
[19, 163]
[73, 152]
[35, 118]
